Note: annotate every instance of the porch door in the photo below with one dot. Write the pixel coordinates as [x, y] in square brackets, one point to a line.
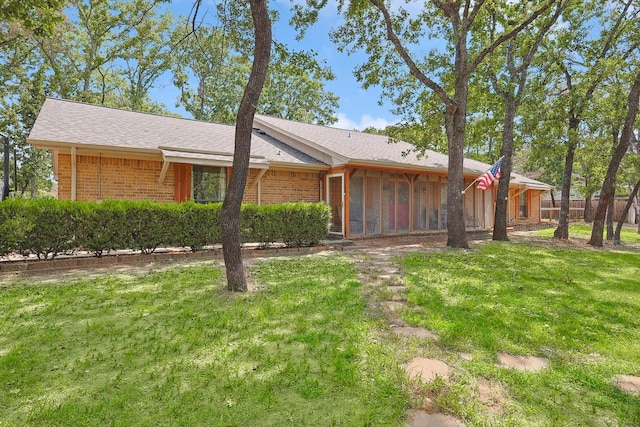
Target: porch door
[335, 199]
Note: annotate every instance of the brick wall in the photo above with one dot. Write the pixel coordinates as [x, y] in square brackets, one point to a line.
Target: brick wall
[535, 205]
[288, 186]
[117, 178]
[100, 178]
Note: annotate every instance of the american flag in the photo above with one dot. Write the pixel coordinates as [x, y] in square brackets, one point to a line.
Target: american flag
[487, 178]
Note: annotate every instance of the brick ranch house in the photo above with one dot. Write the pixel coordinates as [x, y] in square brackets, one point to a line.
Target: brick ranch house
[104, 153]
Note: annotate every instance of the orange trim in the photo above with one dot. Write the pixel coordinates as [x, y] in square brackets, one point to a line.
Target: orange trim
[182, 184]
[347, 204]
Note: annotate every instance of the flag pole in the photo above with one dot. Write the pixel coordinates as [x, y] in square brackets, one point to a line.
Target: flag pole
[474, 181]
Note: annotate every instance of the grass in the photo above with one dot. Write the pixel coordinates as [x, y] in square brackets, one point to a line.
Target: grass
[173, 348]
[580, 230]
[576, 307]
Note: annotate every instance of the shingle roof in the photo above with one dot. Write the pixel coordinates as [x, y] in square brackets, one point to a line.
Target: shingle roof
[74, 123]
[66, 123]
[366, 147]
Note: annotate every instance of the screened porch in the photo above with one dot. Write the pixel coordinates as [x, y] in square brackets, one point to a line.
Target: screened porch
[379, 202]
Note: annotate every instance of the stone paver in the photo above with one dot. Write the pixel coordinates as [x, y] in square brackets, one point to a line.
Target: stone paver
[421, 418]
[628, 383]
[522, 363]
[415, 332]
[427, 369]
[393, 306]
[491, 395]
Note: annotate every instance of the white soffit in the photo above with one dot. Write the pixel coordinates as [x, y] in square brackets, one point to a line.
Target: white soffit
[205, 159]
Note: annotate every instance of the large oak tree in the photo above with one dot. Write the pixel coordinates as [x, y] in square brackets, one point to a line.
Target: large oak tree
[394, 40]
[230, 215]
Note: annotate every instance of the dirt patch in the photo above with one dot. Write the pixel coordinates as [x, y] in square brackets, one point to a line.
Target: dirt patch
[491, 396]
[628, 384]
[522, 363]
[427, 370]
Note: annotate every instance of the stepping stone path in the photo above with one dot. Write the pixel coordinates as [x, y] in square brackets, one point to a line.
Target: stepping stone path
[379, 272]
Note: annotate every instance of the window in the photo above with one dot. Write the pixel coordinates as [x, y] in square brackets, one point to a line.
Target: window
[209, 184]
[523, 205]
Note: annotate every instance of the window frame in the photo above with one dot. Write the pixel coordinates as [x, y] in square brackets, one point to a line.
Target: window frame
[199, 170]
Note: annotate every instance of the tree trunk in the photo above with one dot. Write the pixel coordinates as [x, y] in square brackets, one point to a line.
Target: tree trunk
[588, 209]
[455, 124]
[230, 214]
[608, 186]
[610, 213]
[625, 212]
[562, 232]
[502, 200]
[636, 206]
[456, 232]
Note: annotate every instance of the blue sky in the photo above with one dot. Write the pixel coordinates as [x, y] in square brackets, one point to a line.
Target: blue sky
[358, 107]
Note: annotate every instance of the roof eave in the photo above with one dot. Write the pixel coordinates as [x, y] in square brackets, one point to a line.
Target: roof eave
[302, 144]
[305, 166]
[81, 148]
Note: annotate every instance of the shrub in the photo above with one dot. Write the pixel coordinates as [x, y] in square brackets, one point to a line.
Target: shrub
[14, 225]
[304, 224]
[198, 225]
[102, 227]
[48, 227]
[151, 224]
[51, 229]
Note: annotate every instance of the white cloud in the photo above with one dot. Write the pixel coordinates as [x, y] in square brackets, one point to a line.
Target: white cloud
[366, 121]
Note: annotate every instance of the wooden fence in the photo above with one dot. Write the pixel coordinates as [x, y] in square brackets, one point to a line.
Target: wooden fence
[576, 210]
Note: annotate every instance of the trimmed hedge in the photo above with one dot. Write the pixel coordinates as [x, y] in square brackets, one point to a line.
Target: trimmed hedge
[49, 227]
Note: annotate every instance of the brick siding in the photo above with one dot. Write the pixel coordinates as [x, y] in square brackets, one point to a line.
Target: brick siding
[290, 186]
[100, 178]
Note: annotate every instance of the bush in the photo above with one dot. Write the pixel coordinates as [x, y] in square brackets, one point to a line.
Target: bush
[51, 227]
[295, 224]
[48, 227]
[14, 224]
[199, 225]
[151, 224]
[101, 227]
[304, 224]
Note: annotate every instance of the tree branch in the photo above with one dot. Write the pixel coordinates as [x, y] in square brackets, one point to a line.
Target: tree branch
[506, 36]
[413, 67]
[476, 9]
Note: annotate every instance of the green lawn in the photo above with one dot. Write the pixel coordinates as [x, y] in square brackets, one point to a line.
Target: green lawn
[580, 308]
[173, 348]
[580, 230]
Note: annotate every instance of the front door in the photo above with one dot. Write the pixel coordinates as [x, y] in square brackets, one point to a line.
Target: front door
[335, 199]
